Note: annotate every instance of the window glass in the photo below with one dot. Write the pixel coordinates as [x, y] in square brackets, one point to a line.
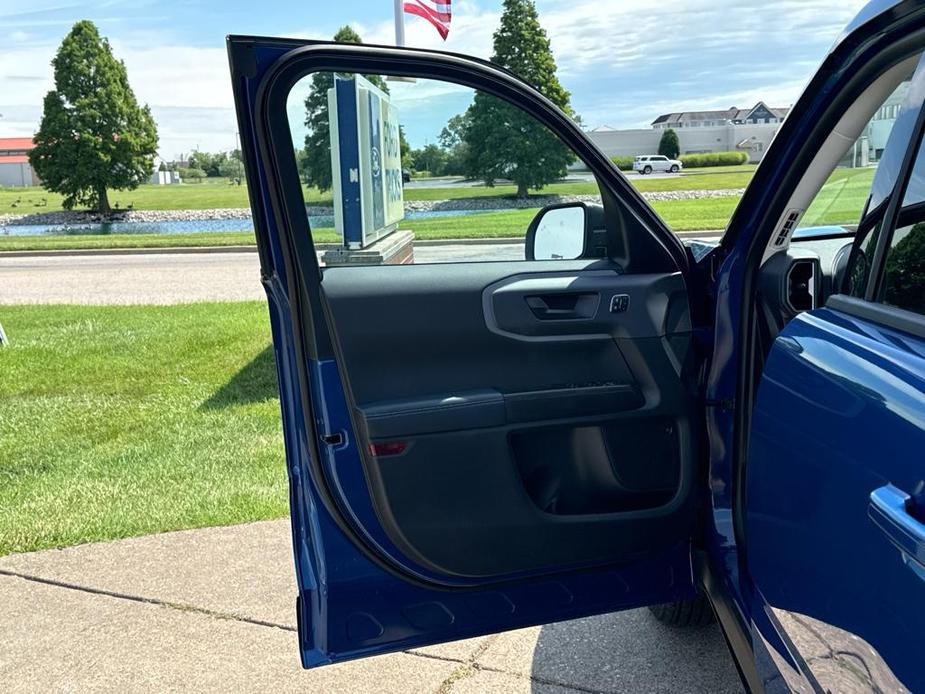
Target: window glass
[904, 271]
[859, 262]
[396, 171]
[842, 199]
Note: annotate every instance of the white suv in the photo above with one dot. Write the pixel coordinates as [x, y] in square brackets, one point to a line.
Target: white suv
[648, 163]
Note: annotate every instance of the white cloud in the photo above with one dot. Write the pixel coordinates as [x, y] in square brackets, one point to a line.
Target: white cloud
[625, 62]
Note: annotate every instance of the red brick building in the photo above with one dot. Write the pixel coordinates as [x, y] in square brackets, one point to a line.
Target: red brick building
[15, 169]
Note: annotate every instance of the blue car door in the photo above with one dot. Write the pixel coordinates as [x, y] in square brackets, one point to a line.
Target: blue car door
[473, 446]
[834, 508]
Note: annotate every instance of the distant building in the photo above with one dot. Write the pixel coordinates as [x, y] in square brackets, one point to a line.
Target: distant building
[733, 129]
[15, 169]
[164, 173]
[759, 113]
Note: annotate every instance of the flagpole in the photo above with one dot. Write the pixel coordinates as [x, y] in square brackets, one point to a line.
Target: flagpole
[399, 23]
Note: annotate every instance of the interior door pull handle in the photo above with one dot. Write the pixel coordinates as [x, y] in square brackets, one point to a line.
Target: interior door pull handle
[563, 306]
[890, 510]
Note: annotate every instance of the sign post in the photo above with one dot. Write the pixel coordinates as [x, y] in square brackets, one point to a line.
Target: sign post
[367, 174]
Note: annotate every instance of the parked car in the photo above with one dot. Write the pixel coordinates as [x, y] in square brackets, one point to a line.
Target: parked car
[405, 176]
[647, 163]
[729, 429]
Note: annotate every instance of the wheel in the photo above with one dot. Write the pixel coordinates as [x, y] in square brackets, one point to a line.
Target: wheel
[647, 170]
[686, 613]
[674, 168]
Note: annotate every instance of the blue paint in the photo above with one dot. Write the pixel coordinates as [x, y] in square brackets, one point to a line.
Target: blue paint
[838, 417]
[348, 147]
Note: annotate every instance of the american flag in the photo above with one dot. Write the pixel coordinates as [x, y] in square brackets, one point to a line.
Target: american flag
[437, 12]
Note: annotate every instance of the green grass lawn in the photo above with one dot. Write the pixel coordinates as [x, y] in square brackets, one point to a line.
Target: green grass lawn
[842, 198]
[681, 215]
[201, 196]
[123, 420]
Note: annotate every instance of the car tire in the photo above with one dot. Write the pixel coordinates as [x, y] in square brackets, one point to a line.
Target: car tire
[685, 613]
[647, 170]
[674, 168]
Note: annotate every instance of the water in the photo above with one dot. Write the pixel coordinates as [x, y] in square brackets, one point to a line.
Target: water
[206, 226]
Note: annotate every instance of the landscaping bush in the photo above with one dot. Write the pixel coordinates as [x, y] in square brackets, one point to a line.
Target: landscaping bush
[714, 159]
[623, 163]
[192, 175]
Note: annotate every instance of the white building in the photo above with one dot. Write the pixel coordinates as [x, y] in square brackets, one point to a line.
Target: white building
[734, 129]
[15, 169]
[745, 130]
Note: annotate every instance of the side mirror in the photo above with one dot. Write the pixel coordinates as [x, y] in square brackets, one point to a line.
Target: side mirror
[566, 231]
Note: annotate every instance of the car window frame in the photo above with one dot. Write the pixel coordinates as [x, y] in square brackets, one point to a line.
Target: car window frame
[618, 194]
[886, 216]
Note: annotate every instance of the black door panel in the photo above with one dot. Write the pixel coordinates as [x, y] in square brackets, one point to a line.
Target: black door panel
[504, 439]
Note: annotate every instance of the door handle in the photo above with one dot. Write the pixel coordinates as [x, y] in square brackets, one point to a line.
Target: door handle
[566, 306]
[890, 510]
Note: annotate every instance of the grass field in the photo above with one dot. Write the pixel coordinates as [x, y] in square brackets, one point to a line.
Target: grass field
[202, 196]
[840, 202]
[121, 421]
[681, 215]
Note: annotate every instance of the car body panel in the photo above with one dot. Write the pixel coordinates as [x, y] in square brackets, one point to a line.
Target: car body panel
[352, 604]
[362, 589]
[839, 415]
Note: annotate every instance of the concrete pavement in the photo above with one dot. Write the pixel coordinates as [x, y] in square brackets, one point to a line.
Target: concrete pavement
[213, 610]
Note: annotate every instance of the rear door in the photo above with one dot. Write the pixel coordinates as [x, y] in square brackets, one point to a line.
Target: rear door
[835, 506]
[479, 444]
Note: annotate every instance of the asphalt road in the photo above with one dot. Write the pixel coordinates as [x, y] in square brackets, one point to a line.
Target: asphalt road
[170, 278]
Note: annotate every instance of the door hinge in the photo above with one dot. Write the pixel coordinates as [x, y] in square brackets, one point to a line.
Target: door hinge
[727, 404]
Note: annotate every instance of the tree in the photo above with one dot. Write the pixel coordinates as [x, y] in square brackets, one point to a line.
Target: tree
[232, 168]
[453, 140]
[316, 165]
[669, 146]
[407, 159]
[503, 140]
[93, 135]
[905, 270]
[430, 158]
[209, 162]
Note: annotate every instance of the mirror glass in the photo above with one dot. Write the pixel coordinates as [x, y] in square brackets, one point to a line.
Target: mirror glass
[560, 234]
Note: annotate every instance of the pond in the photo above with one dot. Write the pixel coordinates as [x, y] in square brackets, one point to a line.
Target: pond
[205, 226]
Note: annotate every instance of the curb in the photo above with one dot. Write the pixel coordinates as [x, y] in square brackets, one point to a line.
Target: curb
[180, 250]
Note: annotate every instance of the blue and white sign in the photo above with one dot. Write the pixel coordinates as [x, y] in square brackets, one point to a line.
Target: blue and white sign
[366, 162]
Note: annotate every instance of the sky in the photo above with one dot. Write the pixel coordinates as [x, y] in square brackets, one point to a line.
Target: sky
[624, 61]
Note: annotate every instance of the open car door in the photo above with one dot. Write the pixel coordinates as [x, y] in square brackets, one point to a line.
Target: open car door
[471, 446]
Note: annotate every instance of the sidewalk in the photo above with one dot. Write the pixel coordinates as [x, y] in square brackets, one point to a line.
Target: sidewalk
[213, 610]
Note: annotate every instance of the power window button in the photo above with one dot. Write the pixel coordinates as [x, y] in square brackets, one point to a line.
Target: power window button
[619, 303]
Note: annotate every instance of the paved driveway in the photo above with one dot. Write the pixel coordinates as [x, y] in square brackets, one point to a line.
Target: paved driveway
[213, 610]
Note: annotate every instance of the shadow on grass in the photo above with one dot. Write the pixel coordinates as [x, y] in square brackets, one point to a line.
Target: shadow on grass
[256, 382]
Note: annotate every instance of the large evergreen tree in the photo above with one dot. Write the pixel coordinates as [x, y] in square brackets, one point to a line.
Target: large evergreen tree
[93, 135]
[316, 163]
[668, 145]
[503, 141]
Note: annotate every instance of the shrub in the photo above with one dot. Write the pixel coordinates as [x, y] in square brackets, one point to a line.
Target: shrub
[192, 175]
[623, 163]
[669, 146]
[714, 159]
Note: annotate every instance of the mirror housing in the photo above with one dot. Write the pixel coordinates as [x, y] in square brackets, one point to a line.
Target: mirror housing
[567, 231]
